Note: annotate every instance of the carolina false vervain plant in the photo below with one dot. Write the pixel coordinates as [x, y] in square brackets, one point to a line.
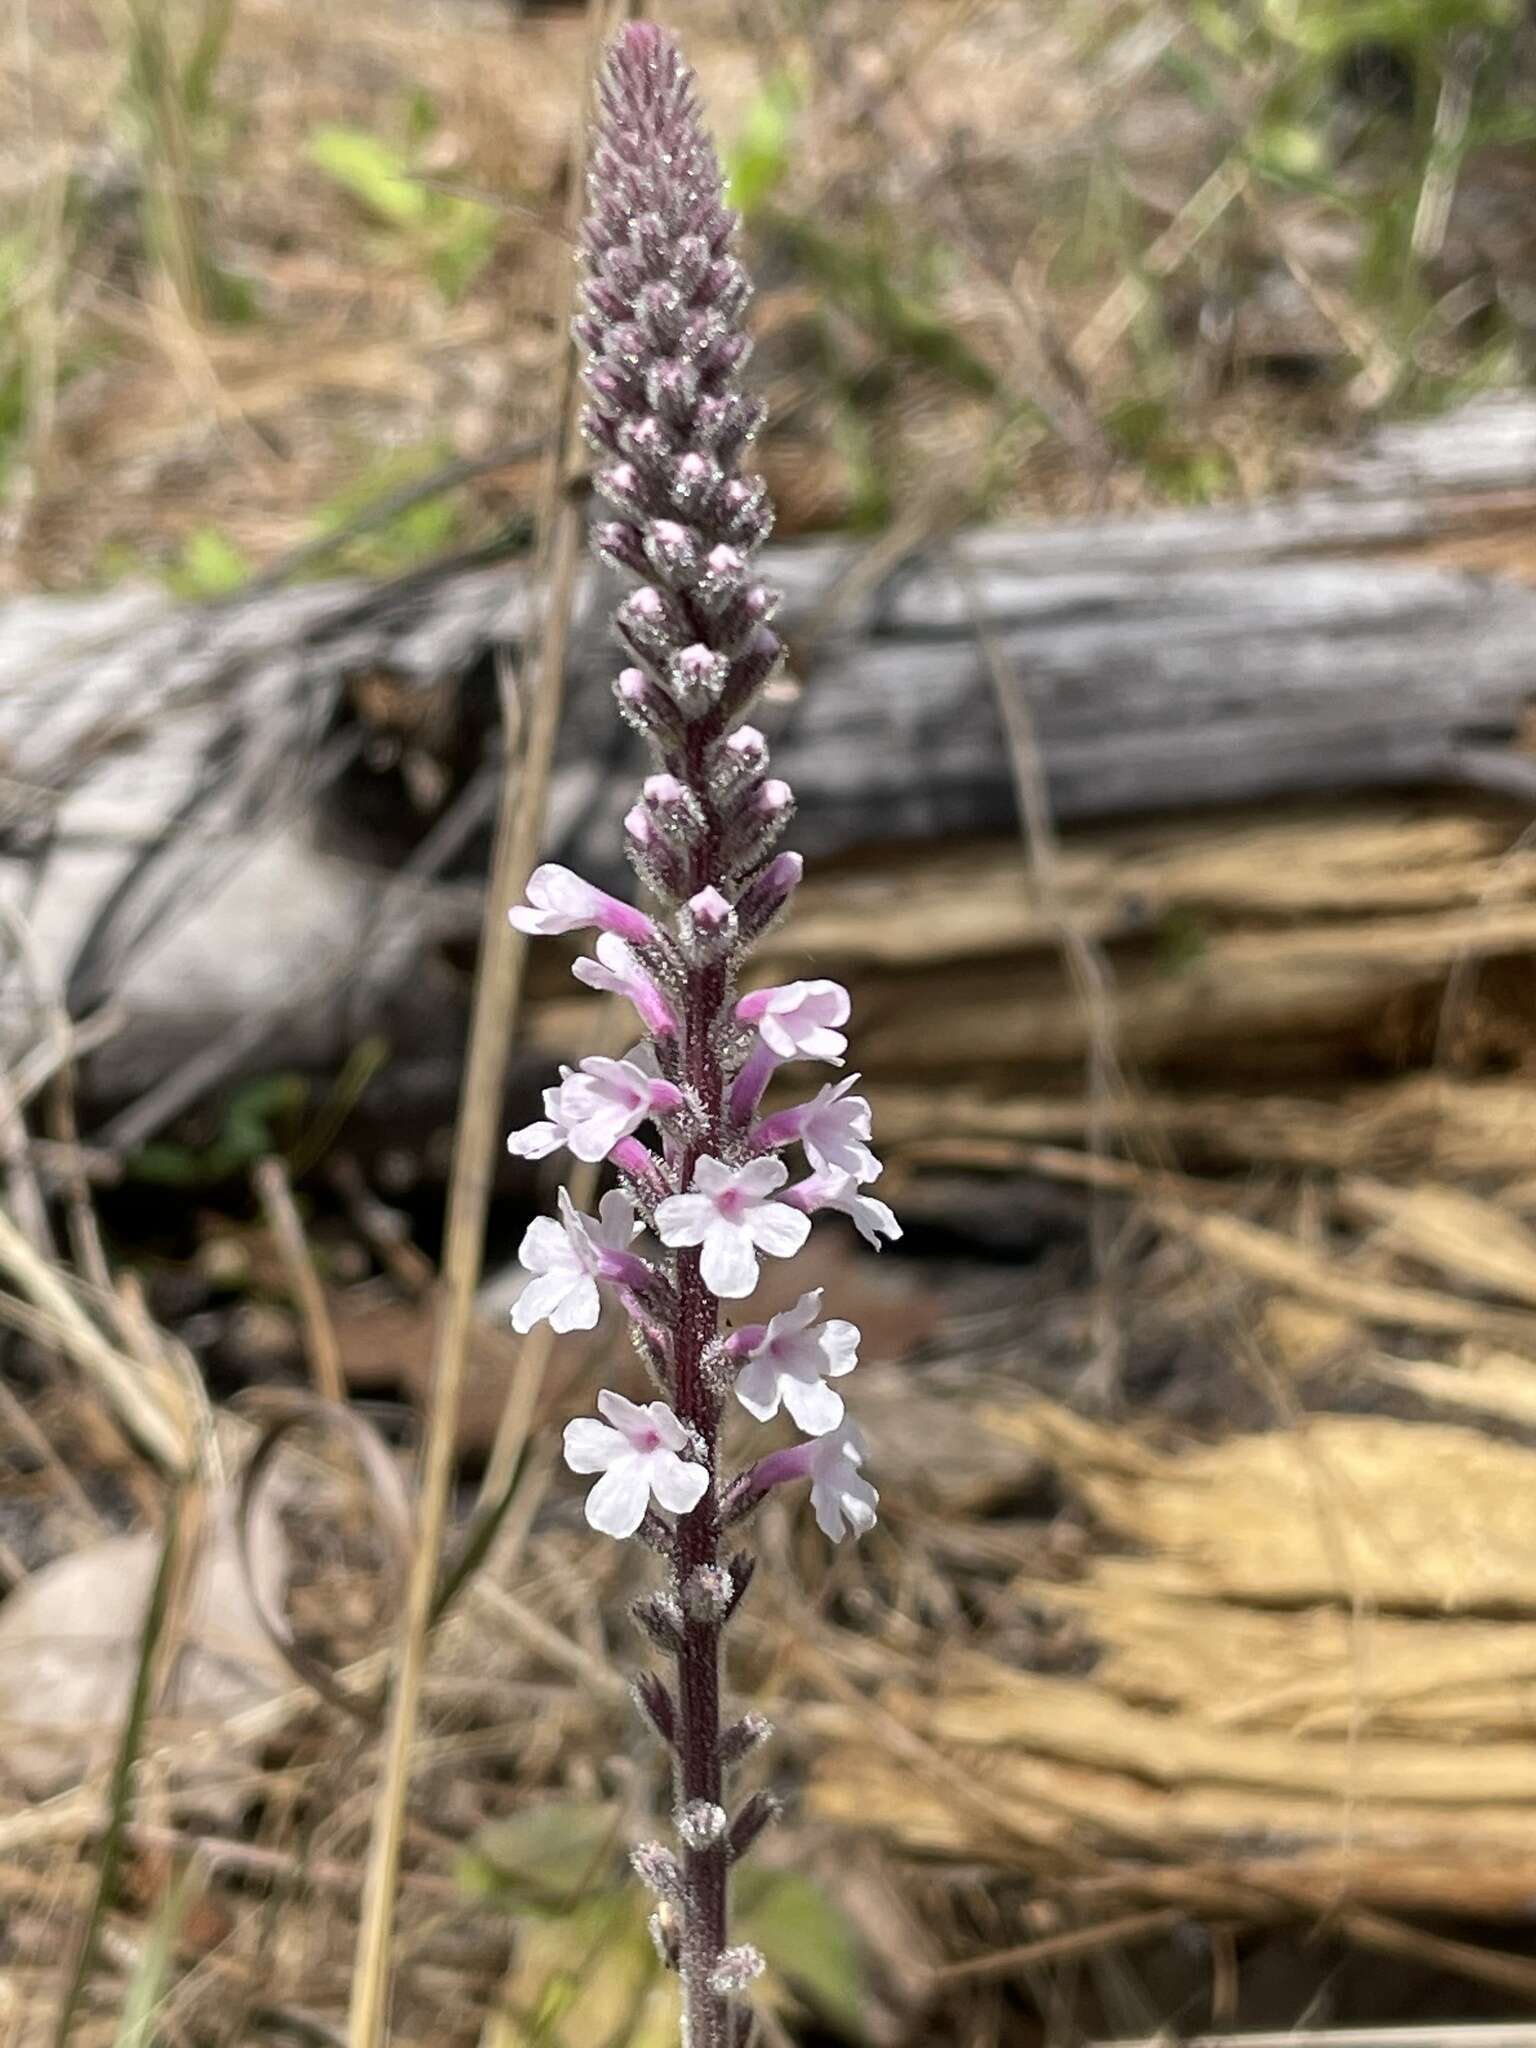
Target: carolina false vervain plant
[663, 342]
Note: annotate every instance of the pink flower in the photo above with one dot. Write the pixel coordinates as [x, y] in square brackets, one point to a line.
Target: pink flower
[840, 1494]
[727, 1211]
[568, 1258]
[840, 1191]
[833, 1128]
[799, 1020]
[559, 901]
[842, 1497]
[791, 1361]
[593, 1108]
[641, 1453]
[796, 1022]
[616, 972]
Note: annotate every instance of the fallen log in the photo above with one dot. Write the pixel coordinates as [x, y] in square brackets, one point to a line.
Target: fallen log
[259, 828]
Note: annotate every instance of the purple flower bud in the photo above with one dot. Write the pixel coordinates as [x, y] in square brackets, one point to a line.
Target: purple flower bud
[619, 543]
[766, 897]
[695, 677]
[709, 910]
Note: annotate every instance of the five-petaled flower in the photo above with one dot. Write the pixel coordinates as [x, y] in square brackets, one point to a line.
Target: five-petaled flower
[641, 1452]
[800, 1020]
[593, 1108]
[796, 1022]
[791, 1361]
[727, 1211]
[568, 1258]
[833, 1127]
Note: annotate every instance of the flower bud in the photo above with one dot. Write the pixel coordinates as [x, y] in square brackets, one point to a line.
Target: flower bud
[742, 1737]
[658, 1870]
[656, 1703]
[736, 1970]
[695, 677]
[764, 899]
[759, 1812]
[707, 926]
[701, 1824]
[619, 543]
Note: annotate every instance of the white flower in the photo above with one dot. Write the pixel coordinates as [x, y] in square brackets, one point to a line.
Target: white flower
[640, 1452]
[566, 1260]
[560, 901]
[872, 1219]
[792, 1361]
[727, 1211]
[800, 1020]
[834, 1128]
[840, 1494]
[593, 1108]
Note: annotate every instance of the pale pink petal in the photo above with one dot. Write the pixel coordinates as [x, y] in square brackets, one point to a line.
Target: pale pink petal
[545, 1247]
[812, 1405]
[676, 1483]
[542, 1297]
[789, 1321]
[757, 1389]
[840, 1346]
[683, 1219]
[616, 1505]
[670, 1433]
[617, 1224]
[713, 1176]
[777, 1229]
[761, 1176]
[534, 1141]
[729, 1264]
[580, 1309]
[631, 1421]
[592, 1446]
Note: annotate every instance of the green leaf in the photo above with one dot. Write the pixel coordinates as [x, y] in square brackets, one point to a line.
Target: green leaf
[209, 565]
[757, 163]
[544, 1859]
[805, 1940]
[372, 172]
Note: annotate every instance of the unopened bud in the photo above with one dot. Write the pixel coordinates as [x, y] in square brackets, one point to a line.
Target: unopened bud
[656, 1703]
[657, 1869]
[707, 1593]
[696, 676]
[766, 897]
[659, 1616]
[701, 1824]
[759, 1812]
[707, 926]
[743, 1737]
[736, 1969]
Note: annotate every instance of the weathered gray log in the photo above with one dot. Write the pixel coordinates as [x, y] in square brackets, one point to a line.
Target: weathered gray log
[190, 799]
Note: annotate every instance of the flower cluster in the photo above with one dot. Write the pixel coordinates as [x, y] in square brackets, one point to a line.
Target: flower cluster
[706, 1188]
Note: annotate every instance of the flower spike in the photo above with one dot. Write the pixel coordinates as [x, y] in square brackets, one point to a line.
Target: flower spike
[663, 346]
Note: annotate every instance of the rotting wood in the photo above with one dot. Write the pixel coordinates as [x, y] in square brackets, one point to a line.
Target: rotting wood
[210, 813]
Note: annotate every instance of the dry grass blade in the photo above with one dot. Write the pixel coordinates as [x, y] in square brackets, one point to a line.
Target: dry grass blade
[497, 992]
[321, 1348]
[151, 1414]
[155, 1643]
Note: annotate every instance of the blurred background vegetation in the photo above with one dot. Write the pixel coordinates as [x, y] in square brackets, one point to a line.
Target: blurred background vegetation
[263, 264]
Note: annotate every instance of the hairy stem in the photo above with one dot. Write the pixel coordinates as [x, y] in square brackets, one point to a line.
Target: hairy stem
[696, 1547]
